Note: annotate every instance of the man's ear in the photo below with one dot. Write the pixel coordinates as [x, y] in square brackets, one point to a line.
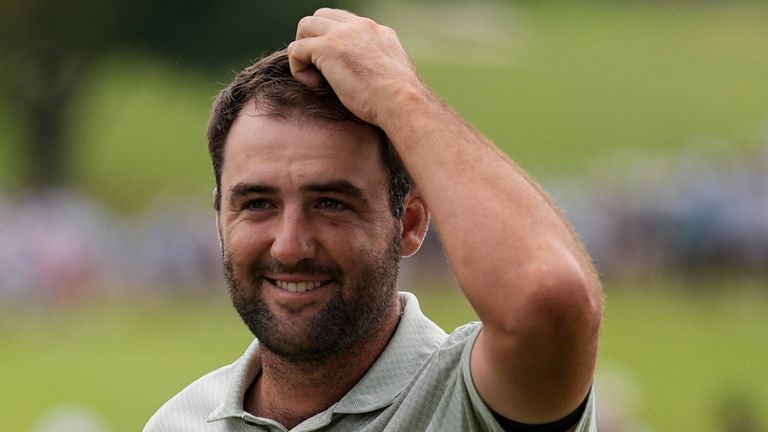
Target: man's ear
[218, 225]
[415, 222]
[218, 231]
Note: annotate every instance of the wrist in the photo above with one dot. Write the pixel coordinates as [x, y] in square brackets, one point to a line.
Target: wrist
[401, 104]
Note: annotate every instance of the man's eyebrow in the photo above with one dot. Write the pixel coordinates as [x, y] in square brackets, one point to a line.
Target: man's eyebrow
[242, 189]
[342, 187]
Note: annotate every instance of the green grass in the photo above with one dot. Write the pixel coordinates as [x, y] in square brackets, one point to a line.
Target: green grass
[685, 352]
[121, 358]
[689, 351]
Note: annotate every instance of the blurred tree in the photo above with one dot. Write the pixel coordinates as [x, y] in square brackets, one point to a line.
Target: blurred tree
[48, 48]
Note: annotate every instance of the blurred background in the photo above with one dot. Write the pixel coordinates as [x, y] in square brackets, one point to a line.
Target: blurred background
[647, 121]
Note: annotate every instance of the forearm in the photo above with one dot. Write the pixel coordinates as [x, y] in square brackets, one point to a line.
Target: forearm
[516, 258]
[502, 235]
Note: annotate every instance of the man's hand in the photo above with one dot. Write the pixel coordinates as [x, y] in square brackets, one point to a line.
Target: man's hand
[363, 61]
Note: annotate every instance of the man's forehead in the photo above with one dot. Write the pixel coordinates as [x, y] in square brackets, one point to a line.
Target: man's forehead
[261, 145]
[292, 129]
[301, 115]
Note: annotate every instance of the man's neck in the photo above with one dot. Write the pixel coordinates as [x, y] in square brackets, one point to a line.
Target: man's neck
[290, 392]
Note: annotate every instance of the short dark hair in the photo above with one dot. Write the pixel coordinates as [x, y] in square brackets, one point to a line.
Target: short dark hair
[269, 84]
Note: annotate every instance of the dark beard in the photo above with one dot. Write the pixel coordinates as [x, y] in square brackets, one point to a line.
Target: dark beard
[362, 299]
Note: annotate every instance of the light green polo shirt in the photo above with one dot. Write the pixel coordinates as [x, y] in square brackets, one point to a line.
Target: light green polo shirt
[421, 382]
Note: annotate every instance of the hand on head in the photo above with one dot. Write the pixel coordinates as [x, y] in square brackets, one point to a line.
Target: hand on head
[363, 61]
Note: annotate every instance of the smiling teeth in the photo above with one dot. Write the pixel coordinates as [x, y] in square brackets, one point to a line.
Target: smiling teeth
[298, 286]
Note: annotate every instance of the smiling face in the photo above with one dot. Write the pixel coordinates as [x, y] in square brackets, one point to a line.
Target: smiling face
[311, 249]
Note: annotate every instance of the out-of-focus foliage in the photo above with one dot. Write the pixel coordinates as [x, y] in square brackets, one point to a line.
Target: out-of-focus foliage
[218, 35]
[49, 46]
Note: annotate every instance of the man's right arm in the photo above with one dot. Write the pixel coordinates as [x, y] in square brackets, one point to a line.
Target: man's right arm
[515, 257]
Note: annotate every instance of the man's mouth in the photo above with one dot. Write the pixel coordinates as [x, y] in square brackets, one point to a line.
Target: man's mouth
[298, 287]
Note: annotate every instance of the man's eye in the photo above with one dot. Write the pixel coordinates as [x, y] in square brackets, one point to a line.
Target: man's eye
[332, 205]
[258, 204]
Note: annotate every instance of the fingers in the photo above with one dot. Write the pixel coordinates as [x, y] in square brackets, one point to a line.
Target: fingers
[322, 21]
[302, 51]
[337, 15]
[301, 63]
[313, 26]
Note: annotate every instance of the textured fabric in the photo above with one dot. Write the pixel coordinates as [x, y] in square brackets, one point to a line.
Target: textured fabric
[421, 382]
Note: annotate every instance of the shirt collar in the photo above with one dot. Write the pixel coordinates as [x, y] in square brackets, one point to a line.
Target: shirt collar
[243, 372]
[413, 342]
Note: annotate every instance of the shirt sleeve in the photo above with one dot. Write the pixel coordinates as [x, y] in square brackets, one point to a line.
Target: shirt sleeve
[585, 424]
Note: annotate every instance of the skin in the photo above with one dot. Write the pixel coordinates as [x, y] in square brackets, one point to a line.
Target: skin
[522, 268]
[279, 213]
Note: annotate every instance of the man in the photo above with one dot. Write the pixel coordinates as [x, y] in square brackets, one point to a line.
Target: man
[314, 211]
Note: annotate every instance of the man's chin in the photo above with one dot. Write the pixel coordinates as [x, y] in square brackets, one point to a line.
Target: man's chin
[298, 348]
[306, 336]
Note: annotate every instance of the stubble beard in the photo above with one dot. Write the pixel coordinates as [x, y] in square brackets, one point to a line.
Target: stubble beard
[363, 296]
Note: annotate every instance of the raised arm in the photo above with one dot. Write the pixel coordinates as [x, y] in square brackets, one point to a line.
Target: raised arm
[516, 259]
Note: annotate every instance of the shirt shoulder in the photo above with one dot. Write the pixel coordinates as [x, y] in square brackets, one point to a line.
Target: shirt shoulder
[438, 397]
[460, 406]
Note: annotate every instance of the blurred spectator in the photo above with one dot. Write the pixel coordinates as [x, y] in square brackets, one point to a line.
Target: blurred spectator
[57, 246]
[47, 250]
[617, 402]
[693, 213]
[70, 418]
[738, 415]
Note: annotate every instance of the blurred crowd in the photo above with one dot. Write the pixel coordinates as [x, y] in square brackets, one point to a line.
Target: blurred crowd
[697, 211]
[691, 212]
[59, 246]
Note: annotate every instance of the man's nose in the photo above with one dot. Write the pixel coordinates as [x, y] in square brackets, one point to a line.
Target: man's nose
[294, 240]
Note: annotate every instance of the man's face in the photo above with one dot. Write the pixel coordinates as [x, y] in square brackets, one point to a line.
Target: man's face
[310, 246]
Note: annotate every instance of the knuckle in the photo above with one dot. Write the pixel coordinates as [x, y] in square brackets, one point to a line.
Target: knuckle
[305, 21]
[389, 30]
[368, 23]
